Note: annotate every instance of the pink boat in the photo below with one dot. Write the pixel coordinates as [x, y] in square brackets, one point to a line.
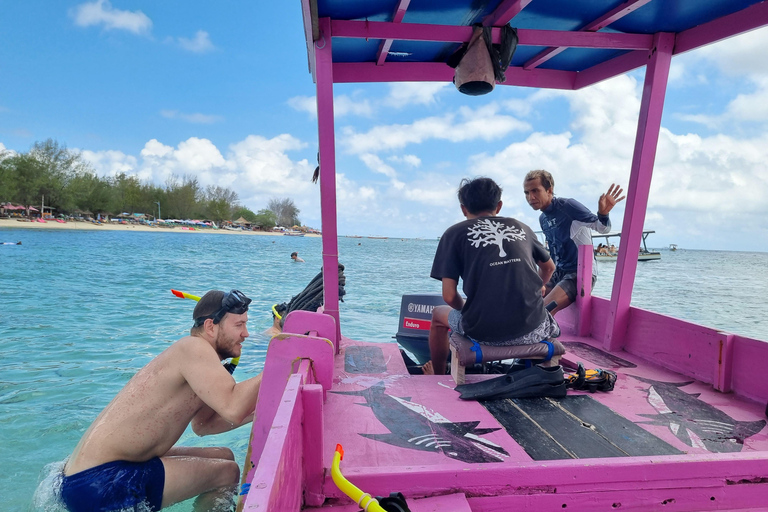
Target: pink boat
[684, 428]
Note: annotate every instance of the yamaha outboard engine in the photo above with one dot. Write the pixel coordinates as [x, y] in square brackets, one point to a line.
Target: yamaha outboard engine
[415, 319]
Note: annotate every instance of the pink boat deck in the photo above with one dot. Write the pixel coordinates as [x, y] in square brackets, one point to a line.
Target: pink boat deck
[660, 439]
[413, 429]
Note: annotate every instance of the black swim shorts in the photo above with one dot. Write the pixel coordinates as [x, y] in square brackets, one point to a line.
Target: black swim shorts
[115, 485]
[566, 281]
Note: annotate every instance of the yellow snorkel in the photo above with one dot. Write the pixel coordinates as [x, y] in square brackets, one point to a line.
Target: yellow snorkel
[232, 364]
[363, 499]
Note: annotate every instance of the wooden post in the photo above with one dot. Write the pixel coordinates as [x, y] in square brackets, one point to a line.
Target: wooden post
[326, 141]
[648, 127]
[584, 290]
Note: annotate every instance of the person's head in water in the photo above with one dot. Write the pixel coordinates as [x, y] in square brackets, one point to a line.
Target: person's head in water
[294, 255]
[221, 318]
[215, 305]
[479, 195]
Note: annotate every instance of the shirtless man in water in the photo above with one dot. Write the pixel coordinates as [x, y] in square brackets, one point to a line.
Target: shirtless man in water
[127, 456]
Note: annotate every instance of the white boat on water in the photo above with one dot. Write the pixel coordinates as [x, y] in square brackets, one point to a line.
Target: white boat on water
[612, 255]
[293, 233]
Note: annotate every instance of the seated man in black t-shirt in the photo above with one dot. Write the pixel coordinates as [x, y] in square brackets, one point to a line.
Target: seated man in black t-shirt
[503, 266]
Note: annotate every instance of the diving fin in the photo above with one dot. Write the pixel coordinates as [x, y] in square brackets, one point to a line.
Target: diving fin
[524, 383]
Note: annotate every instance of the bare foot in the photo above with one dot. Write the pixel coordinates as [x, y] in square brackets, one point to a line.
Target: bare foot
[427, 368]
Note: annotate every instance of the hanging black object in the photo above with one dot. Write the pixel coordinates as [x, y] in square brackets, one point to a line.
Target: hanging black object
[395, 502]
[479, 66]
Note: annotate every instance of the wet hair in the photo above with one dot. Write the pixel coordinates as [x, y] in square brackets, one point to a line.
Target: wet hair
[479, 195]
[546, 179]
[294, 254]
[208, 304]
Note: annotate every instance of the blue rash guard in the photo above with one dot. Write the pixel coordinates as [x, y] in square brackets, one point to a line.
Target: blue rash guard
[566, 224]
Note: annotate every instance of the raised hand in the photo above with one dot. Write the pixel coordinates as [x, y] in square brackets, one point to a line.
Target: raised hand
[608, 200]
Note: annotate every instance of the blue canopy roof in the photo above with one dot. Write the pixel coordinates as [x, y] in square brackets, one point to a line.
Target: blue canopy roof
[400, 30]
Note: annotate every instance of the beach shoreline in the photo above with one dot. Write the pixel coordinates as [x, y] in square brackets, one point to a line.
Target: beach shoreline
[90, 226]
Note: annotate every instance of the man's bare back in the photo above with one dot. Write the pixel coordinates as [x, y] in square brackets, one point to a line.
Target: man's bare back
[184, 384]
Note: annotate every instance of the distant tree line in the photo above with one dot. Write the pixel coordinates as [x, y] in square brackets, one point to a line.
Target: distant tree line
[71, 185]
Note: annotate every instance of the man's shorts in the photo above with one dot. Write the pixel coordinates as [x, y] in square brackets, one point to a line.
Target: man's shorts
[566, 281]
[546, 330]
[115, 485]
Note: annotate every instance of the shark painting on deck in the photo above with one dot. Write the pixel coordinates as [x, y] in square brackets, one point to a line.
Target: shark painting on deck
[695, 422]
[416, 427]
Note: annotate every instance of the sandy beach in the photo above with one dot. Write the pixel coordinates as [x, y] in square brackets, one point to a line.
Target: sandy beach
[13, 223]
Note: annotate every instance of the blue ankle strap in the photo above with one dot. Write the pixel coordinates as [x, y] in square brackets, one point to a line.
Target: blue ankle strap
[550, 349]
[550, 352]
[477, 350]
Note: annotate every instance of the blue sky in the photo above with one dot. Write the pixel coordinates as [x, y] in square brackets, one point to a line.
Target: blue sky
[221, 90]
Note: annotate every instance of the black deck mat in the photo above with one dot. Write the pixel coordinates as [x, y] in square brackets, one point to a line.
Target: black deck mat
[574, 427]
[594, 355]
[364, 360]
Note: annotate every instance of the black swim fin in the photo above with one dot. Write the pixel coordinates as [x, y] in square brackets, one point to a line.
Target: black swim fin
[524, 383]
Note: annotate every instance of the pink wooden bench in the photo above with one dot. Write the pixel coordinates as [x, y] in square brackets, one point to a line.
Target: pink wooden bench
[465, 353]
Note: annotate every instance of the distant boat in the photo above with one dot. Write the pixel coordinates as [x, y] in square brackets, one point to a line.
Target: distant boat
[644, 255]
[353, 236]
[293, 233]
[672, 247]
[378, 237]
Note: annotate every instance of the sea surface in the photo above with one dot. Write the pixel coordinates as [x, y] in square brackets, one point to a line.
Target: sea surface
[82, 311]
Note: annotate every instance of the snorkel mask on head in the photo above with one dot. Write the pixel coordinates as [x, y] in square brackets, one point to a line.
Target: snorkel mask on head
[234, 302]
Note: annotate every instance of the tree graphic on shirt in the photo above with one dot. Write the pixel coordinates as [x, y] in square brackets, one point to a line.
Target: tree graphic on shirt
[488, 232]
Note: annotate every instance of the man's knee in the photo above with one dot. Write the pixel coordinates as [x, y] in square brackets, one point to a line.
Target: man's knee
[228, 474]
[440, 316]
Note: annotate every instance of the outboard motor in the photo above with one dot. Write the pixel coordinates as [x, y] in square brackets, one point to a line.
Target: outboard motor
[415, 320]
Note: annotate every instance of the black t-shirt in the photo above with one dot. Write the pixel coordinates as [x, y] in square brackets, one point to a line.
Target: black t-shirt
[496, 258]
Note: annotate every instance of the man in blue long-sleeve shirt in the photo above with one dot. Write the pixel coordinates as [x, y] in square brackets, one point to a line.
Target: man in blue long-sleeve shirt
[566, 224]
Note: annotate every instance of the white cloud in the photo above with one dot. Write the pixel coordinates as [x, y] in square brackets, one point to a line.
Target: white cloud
[201, 43]
[5, 152]
[196, 117]
[410, 160]
[376, 164]
[402, 94]
[343, 105]
[482, 123]
[111, 162]
[101, 13]
[738, 55]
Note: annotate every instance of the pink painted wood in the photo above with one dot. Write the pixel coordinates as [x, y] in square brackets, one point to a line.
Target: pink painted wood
[685, 482]
[326, 141]
[603, 21]
[312, 439]
[447, 503]
[584, 286]
[608, 69]
[684, 347]
[313, 324]
[397, 17]
[284, 355]
[752, 17]
[461, 34]
[649, 125]
[438, 72]
[277, 482]
[749, 378]
[504, 13]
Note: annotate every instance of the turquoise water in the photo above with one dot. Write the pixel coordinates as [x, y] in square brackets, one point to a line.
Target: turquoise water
[82, 311]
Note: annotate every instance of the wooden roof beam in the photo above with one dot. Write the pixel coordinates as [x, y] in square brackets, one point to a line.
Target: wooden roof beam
[753, 17]
[456, 34]
[386, 44]
[603, 21]
[504, 13]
